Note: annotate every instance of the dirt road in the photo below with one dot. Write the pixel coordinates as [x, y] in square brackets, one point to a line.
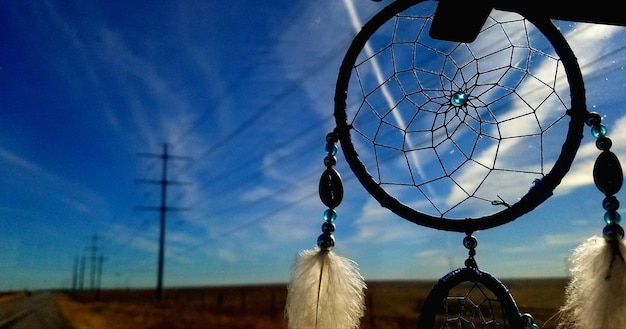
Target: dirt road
[36, 311]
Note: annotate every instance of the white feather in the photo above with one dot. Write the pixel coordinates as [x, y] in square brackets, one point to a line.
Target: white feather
[596, 294]
[326, 291]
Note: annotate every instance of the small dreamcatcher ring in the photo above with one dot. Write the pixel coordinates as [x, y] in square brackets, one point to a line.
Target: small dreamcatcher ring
[487, 300]
[459, 136]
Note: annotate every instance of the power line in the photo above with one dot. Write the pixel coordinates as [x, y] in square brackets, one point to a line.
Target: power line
[266, 109]
[267, 215]
[256, 118]
[247, 179]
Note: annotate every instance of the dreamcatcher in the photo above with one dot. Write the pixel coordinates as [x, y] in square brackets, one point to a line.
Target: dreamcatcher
[459, 137]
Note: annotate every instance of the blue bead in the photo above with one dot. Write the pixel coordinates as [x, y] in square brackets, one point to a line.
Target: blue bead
[598, 130]
[459, 98]
[612, 217]
[331, 149]
[330, 215]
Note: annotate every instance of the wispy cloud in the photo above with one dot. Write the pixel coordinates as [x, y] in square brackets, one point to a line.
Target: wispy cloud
[376, 225]
[435, 257]
[41, 183]
[160, 109]
[569, 239]
[21, 163]
[227, 255]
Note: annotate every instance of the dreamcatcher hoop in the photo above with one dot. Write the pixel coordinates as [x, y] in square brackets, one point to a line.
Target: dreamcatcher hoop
[486, 301]
[348, 125]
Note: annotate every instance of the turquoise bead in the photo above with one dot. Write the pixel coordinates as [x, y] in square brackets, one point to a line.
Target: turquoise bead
[459, 98]
[612, 217]
[598, 131]
[331, 149]
[330, 215]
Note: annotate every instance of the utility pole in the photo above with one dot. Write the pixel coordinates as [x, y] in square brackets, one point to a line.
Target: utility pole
[75, 274]
[94, 258]
[81, 274]
[99, 276]
[163, 208]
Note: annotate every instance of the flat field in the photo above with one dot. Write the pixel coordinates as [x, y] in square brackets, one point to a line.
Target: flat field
[390, 305]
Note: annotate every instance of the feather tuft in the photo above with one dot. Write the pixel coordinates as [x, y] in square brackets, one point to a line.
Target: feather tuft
[326, 291]
[596, 293]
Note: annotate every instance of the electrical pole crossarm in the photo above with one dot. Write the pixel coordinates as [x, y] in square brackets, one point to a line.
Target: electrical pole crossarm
[163, 208]
[156, 208]
[158, 181]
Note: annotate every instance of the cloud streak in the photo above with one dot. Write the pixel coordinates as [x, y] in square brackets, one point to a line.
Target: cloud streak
[508, 154]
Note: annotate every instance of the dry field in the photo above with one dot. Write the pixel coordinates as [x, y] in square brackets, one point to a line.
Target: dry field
[390, 305]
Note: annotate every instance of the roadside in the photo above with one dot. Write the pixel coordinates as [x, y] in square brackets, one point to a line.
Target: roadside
[233, 308]
[82, 316]
[9, 296]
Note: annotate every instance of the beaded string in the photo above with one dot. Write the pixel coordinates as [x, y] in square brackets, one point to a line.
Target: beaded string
[529, 322]
[608, 177]
[331, 193]
[470, 242]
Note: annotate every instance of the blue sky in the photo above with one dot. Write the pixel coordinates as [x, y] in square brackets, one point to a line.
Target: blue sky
[245, 91]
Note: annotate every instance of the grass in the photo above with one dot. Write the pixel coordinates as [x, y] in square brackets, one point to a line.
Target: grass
[390, 305]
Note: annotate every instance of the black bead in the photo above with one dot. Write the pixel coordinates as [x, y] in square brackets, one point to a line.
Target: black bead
[613, 232]
[331, 188]
[471, 262]
[604, 143]
[331, 138]
[330, 161]
[593, 119]
[607, 173]
[610, 203]
[326, 242]
[528, 319]
[470, 242]
[328, 228]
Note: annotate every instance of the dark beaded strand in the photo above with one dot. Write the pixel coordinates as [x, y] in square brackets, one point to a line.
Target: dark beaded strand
[331, 194]
[608, 178]
[470, 242]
